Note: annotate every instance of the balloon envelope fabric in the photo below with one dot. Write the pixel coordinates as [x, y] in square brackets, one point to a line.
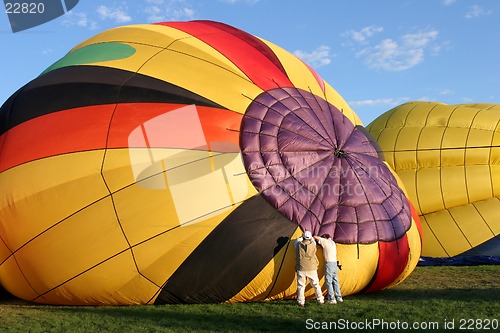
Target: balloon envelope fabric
[448, 157]
[177, 162]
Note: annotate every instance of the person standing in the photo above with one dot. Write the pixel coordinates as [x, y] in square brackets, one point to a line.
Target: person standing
[307, 267]
[331, 268]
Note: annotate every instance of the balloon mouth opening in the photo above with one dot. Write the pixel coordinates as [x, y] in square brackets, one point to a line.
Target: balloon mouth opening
[339, 153]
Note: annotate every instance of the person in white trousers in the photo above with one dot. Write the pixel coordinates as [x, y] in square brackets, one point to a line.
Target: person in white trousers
[307, 267]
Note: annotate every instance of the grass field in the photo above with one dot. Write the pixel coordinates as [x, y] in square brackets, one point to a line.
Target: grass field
[431, 299]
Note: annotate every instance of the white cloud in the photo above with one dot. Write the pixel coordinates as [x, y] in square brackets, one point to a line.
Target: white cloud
[387, 102]
[448, 2]
[78, 19]
[445, 91]
[168, 10]
[362, 35]
[115, 13]
[317, 58]
[400, 55]
[477, 11]
[420, 39]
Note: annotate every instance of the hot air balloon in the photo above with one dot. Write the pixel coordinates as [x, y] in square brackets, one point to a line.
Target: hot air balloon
[448, 157]
[177, 162]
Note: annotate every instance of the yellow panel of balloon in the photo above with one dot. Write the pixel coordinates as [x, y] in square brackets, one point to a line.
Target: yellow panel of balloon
[448, 157]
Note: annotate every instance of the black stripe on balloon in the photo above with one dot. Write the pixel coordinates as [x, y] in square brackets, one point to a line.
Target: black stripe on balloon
[79, 86]
[231, 256]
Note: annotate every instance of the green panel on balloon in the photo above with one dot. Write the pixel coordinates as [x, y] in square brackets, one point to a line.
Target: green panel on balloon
[94, 53]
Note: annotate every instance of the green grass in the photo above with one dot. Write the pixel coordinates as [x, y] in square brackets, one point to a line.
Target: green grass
[431, 294]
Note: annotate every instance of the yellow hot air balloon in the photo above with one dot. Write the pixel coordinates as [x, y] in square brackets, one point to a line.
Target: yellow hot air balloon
[176, 162]
[448, 157]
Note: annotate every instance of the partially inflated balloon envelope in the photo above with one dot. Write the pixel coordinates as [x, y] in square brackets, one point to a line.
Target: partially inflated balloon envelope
[448, 157]
[178, 162]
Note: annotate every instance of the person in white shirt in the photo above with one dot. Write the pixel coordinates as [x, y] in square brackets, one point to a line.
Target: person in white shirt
[331, 269]
[307, 267]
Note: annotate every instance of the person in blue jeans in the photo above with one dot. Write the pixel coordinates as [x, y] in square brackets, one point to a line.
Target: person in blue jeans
[331, 268]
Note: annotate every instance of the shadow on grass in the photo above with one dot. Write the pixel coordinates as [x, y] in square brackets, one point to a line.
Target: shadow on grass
[185, 318]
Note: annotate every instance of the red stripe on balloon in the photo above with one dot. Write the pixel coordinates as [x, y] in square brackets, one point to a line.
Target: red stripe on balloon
[392, 260]
[56, 133]
[87, 128]
[169, 123]
[252, 56]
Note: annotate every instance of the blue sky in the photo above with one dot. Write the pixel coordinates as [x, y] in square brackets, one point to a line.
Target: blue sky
[376, 54]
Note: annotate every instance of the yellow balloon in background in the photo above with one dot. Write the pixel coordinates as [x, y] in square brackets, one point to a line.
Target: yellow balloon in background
[448, 157]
